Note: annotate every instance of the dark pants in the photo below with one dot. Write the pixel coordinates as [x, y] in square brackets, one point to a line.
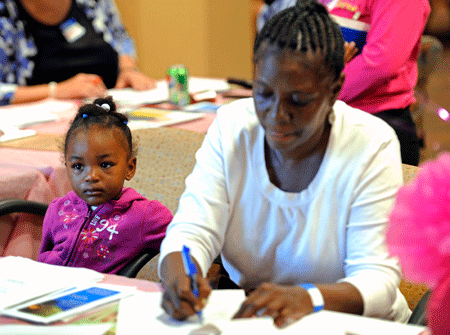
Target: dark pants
[405, 128]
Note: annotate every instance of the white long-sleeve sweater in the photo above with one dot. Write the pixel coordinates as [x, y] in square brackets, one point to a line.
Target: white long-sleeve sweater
[331, 231]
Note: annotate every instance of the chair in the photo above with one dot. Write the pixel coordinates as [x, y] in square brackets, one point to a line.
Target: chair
[419, 313]
[24, 238]
[10, 206]
[431, 52]
[166, 157]
[416, 294]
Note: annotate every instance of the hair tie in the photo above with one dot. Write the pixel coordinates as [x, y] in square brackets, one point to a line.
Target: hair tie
[105, 106]
[85, 115]
[125, 121]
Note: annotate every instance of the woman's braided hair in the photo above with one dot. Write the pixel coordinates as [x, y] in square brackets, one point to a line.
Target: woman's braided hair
[306, 26]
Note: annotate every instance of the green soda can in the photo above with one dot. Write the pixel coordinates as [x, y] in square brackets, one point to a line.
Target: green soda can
[177, 79]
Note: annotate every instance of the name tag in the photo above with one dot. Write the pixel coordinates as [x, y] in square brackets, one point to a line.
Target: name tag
[72, 30]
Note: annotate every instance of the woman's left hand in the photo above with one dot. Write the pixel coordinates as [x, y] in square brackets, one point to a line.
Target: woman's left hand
[285, 304]
[350, 51]
[135, 79]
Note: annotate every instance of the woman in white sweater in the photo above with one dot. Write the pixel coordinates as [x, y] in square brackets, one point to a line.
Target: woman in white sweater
[292, 188]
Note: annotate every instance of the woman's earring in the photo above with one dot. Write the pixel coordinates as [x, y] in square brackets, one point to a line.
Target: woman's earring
[331, 117]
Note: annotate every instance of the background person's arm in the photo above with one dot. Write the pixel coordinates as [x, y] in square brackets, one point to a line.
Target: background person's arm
[130, 76]
[395, 29]
[78, 87]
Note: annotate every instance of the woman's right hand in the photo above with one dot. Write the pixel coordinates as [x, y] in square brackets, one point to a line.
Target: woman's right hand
[178, 300]
[80, 86]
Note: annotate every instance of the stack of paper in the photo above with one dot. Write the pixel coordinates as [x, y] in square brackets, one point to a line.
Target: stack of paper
[55, 307]
[143, 311]
[128, 97]
[16, 117]
[147, 117]
[22, 279]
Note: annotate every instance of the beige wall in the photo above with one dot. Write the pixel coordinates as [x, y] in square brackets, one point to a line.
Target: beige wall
[212, 38]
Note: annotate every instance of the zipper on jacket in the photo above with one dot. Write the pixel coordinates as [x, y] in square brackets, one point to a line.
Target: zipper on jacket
[88, 217]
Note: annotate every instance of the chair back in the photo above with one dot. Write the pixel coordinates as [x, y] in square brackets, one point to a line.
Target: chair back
[413, 292]
[409, 172]
[166, 157]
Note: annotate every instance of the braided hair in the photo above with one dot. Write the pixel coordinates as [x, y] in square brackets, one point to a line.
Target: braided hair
[306, 26]
[101, 112]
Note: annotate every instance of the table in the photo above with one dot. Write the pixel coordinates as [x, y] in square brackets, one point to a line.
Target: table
[141, 285]
[141, 314]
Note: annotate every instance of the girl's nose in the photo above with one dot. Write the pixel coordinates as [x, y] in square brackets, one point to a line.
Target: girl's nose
[92, 175]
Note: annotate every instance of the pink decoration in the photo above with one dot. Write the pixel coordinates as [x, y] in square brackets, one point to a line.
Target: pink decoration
[419, 225]
[419, 234]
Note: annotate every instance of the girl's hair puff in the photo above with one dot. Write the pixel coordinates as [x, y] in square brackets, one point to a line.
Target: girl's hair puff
[306, 26]
[102, 112]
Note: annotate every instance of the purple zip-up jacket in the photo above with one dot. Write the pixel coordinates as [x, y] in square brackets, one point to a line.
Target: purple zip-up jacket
[104, 239]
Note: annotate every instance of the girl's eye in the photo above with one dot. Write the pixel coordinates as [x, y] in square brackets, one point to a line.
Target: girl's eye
[77, 166]
[106, 165]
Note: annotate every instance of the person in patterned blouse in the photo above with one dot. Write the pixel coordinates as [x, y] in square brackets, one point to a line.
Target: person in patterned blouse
[64, 49]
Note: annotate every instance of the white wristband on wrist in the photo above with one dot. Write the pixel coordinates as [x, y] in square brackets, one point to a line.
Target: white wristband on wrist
[315, 295]
[52, 89]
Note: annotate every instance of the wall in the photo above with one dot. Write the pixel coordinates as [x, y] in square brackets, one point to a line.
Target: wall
[213, 38]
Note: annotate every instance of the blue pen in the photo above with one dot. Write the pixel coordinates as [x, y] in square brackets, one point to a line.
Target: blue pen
[191, 271]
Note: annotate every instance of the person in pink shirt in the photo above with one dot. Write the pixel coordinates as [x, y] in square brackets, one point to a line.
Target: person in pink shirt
[381, 78]
[101, 225]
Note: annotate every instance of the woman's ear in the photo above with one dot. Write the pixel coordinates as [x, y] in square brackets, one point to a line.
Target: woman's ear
[131, 169]
[337, 86]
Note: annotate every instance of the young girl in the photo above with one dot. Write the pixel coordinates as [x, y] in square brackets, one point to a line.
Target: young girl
[100, 224]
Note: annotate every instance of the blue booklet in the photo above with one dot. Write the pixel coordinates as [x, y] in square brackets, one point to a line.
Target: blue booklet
[353, 30]
[71, 302]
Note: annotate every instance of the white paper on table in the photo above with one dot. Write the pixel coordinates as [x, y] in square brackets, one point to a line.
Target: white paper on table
[22, 279]
[98, 329]
[172, 117]
[142, 312]
[335, 323]
[128, 97]
[197, 84]
[24, 115]
[14, 117]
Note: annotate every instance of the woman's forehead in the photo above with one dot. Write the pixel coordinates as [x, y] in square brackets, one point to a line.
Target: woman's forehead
[283, 61]
[308, 57]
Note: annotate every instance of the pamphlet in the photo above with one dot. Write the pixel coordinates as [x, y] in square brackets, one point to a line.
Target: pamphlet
[74, 301]
[148, 117]
[23, 279]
